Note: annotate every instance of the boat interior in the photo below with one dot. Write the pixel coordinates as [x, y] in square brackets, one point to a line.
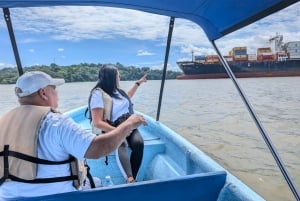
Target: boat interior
[170, 162]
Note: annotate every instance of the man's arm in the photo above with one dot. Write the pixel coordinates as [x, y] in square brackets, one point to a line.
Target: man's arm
[110, 141]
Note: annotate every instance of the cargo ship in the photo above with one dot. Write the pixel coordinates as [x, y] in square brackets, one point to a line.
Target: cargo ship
[277, 60]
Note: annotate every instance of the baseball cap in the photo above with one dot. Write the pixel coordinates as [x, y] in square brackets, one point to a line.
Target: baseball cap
[32, 81]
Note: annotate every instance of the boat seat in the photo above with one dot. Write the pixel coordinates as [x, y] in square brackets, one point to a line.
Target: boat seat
[153, 146]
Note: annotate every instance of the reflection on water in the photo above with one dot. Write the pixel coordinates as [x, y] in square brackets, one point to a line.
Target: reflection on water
[213, 117]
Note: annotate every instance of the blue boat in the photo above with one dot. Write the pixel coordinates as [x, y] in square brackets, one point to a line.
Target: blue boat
[172, 168]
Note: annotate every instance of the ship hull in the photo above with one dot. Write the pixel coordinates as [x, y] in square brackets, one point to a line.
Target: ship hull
[194, 70]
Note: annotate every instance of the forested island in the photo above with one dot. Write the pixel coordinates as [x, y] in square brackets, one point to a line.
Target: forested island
[85, 72]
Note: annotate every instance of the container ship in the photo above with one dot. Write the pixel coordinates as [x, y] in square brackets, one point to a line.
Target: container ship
[278, 60]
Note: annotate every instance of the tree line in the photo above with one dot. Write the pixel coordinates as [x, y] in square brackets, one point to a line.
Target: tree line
[85, 72]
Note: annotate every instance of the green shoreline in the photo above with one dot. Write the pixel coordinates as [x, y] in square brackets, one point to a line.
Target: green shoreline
[86, 72]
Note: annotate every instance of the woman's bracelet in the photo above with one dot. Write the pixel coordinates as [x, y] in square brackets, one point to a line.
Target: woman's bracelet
[138, 84]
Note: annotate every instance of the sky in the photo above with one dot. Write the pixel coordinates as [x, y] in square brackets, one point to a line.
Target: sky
[74, 35]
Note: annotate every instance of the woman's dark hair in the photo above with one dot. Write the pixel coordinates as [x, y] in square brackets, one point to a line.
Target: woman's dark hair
[107, 79]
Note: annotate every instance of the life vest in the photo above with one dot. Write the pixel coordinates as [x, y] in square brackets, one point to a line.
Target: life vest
[107, 110]
[108, 104]
[18, 139]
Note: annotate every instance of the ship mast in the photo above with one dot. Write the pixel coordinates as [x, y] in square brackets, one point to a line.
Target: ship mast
[192, 55]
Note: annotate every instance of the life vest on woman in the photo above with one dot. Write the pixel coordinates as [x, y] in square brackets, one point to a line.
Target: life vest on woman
[107, 110]
[18, 139]
[108, 104]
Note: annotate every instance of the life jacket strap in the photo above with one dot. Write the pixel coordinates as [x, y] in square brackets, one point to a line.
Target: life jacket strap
[6, 153]
[32, 159]
[44, 180]
[89, 176]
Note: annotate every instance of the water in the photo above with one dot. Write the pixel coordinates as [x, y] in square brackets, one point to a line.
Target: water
[212, 116]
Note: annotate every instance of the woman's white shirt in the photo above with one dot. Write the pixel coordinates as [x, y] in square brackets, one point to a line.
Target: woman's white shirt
[120, 105]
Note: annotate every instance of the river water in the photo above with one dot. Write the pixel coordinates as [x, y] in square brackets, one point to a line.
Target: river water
[211, 114]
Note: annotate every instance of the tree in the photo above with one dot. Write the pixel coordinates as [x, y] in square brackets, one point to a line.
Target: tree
[85, 72]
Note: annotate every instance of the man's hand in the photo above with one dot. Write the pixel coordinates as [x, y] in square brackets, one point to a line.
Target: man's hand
[135, 121]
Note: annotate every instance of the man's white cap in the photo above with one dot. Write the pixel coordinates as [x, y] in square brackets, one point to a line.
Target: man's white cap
[31, 82]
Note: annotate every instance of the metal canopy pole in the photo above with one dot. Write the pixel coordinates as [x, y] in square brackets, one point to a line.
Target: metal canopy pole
[12, 39]
[258, 124]
[171, 26]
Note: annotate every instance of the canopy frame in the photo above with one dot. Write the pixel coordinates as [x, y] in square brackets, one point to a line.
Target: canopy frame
[7, 18]
[171, 26]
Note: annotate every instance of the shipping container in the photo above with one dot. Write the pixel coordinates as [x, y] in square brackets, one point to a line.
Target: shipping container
[239, 48]
[212, 59]
[228, 58]
[200, 57]
[240, 52]
[265, 57]
[240, 58]
[252, 57]
[263, 50]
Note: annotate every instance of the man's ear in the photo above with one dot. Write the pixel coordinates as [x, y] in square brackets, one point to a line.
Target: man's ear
[42, 94]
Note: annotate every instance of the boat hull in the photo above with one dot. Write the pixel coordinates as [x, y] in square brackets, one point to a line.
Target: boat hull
[194, 70]
[172, 169]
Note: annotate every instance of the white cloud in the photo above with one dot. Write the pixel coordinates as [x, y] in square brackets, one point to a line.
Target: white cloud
[31, 50]
[60, 49]
[6, 65]
[88, 23]
[144, 53]
[104, 22]
[29, 40]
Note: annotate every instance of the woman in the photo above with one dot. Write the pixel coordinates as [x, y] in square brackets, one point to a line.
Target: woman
[109, 106]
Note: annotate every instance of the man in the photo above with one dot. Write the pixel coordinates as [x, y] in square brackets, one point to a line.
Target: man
[36, 129]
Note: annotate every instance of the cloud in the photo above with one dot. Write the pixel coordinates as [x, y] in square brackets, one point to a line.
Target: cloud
[6, 65]
[144, 53]
[257, 34]
[77, 24]
[103, 23]
[29, 40]
[31, 50]
[89, 23]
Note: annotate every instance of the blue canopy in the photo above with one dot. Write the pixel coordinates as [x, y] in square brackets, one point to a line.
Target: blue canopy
[216, 17]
